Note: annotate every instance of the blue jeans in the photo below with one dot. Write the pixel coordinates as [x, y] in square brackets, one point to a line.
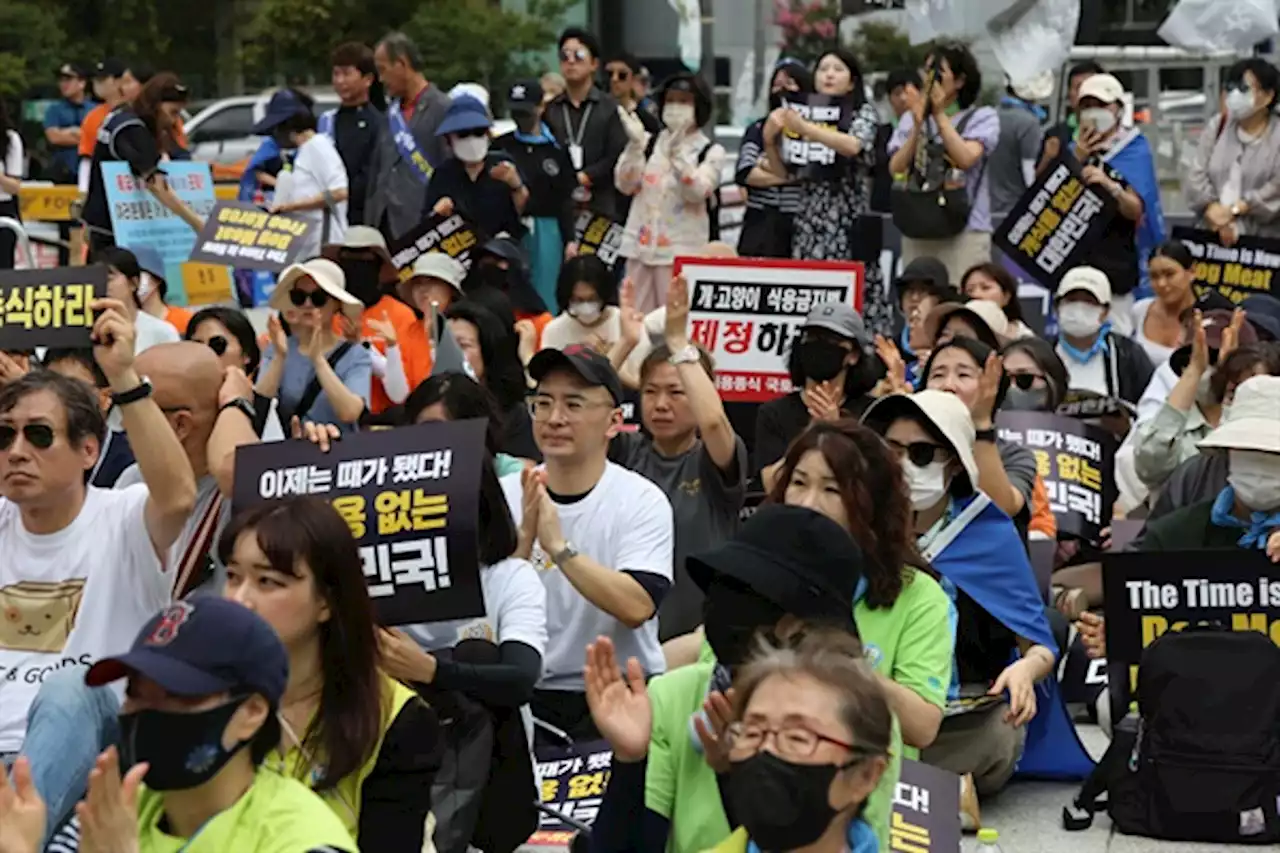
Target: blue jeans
[68, 726]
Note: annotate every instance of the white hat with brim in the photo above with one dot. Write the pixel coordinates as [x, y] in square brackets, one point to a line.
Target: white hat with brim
[1102, 87]
[328, 277]
[1088, 279]
[942, 409]
[434, 265]
[989, 314]
[1252, 420]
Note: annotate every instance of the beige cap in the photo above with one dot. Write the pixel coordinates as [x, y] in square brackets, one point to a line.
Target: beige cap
[1102, 87]
[434, 265]
[1089, 279]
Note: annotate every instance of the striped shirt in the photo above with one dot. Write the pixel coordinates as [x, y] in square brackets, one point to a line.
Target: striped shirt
[786, 198]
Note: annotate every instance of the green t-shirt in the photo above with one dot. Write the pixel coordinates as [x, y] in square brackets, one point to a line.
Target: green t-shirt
[276, 815]
[681, 787]
[912, 642]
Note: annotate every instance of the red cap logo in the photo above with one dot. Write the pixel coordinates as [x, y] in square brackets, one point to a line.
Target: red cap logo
[173, 618]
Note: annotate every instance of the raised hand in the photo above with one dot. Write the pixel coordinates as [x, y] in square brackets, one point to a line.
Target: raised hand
[619, 706]
[22, 812]
[109, 813]
[677, 325]
[113, 338]
[711, 725]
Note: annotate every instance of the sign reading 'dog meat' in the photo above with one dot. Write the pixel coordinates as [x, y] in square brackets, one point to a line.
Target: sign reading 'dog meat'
[49, 308]
[411, 499]
[747, 313]
[244, 235]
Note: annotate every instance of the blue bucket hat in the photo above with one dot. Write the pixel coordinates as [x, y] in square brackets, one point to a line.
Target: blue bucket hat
[465, 113]
[283, 106]
[149, 260]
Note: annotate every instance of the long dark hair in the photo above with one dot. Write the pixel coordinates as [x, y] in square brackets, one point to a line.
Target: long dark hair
[503, 372]
[1055, 372]
[238, 325]
[1001, 276]
[978, 351]
[859, 93]
[348, 724]
[161, 88]
[874, 494]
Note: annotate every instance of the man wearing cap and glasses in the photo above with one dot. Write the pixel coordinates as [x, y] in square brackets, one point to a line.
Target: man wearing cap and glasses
[586, 122]
[63, 119]
[601, 536]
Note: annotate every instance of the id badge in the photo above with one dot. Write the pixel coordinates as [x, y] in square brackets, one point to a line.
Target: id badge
[575, 156]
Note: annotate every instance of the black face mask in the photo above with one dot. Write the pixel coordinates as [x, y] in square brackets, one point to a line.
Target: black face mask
[183, 750]
[777, 99]
[783, 806]
[732, 616]
[283, 140]
[821, 360]
[1031, 400]
[363, 280]
[492, 275]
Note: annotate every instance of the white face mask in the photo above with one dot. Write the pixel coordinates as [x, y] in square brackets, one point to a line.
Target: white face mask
[1255, 476]
[585, 312]
[146, 286]
[1100, 117]
[678, 117]
[471, 149]
[1240, 103]
[1079, 319]
[927, 485]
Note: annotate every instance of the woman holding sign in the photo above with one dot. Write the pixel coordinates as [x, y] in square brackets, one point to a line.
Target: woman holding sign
[835, 192]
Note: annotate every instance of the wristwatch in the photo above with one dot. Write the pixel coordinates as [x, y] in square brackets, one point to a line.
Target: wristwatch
[240, 404]
[1237, 209]
[565, 554]
[688, 354]
[985, 435]
[136, 394]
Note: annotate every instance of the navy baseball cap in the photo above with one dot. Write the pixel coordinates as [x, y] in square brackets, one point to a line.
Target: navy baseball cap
[284, 105]
[200, 647]
[110, 67]
[524, 96]
[465, 114]
[594, 368]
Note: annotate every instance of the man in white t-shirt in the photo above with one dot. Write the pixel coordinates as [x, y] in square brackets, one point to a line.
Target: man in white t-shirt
[81, 568]
[314, 185]
[601, 536]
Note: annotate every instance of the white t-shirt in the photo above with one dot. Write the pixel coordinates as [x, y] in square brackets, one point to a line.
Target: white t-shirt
[1090, 376]
[564, 330]
[316, 168]
[515, 605]
[14, 162]
[73, 596]
[624, 524]
[151, 331]
[206, 493]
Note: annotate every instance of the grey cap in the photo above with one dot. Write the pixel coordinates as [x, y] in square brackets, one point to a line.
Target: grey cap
[840, 318]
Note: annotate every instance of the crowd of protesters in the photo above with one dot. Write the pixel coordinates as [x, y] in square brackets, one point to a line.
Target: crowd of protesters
[179, 677]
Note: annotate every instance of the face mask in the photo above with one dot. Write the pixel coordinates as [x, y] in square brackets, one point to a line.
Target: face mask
[821, 360]
[471, 149]
[1031, 400]
[585, 312]
[927, 485]
[678, 117]
[777, 99]
[183, 750]
[146, 286]
[1080, 320]
[783, 806]
[1100, 117]
[284, 141]
[1255, 476]
[1240, 103]
[362, 280]
[731, 619]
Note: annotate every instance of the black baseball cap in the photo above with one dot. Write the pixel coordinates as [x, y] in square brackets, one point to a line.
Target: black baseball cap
[928, 271]
[200, 647]
[110, 67]
[594, 368]
[73, 69]
[524, 96]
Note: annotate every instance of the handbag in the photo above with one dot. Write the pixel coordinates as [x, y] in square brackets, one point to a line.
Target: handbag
[925, 207]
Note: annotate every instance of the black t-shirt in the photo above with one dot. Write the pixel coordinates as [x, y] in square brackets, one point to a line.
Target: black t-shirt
[123, 136]
[550, 176]
[1116, 254]
[779, 421]
[355, 135]
[486, 201]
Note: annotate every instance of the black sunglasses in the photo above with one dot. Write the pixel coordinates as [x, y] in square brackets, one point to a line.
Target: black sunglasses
[299, 298]
[620, 74]
[921, 453]
[39, 436]
[479, 131]
[578, 55]
[218, 344]
[1025, 380]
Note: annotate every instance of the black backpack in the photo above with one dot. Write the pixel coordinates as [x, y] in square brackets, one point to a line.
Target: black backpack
[713, 200]
[1202, 762]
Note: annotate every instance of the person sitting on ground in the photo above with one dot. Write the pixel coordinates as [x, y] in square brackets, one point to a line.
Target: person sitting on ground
[1097, 359]
[124, 283]
[979, 319]
[434, 286]
[923, 285]
[455, 396]
[1159, 322]
[587, 297]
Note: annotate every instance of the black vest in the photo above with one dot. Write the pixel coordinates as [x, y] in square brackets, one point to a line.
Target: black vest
[96, 212]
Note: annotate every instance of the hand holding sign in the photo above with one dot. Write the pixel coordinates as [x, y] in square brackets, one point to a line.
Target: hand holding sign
[443, 207]
[323, 436]
[1273, 547]
[619, 707]
[1019, 679]
[113, 339]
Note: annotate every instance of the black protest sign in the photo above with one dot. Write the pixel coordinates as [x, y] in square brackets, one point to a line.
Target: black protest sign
[1056, 222]
[926, 810]
[1081, 677]
[411, 499]
[49, 308]
[1151, 592]
[1076, 460]
[1250, 267]
[813, 160]
[598, 235]
[455, 235]
[574, 779]
[243, 235]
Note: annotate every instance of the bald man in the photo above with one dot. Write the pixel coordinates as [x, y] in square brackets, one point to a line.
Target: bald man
[211, 412]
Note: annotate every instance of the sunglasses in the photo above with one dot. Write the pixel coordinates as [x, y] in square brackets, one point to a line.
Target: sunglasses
[299, 298]
[620, 74]
[39, 436]
[1025, 380]
[921, 453]
[479, 131]
[218, 344]
[576, 55]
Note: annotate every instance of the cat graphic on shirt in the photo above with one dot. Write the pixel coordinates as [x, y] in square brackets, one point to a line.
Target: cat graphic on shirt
[38, 617]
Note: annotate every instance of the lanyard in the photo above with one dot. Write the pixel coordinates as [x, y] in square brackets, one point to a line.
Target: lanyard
[576, 138]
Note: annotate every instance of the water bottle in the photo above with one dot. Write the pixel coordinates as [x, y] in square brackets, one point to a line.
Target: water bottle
[988, 841]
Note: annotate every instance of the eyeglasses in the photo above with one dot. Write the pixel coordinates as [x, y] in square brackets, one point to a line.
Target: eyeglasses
[218, 344]
[299, 298]
[576, 55]
[792, 742]
[921, 453]
[1025, 380]
[542, 408]
[39, 436]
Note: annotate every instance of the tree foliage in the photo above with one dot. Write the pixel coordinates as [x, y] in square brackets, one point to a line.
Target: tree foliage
[884, 47]
[30, 45]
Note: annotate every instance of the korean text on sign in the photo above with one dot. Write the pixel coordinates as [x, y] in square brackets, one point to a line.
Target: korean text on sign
[50, 308]
[574, 781]
[411, 512]
[599, 235]
[797, 151]
[453, 235]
